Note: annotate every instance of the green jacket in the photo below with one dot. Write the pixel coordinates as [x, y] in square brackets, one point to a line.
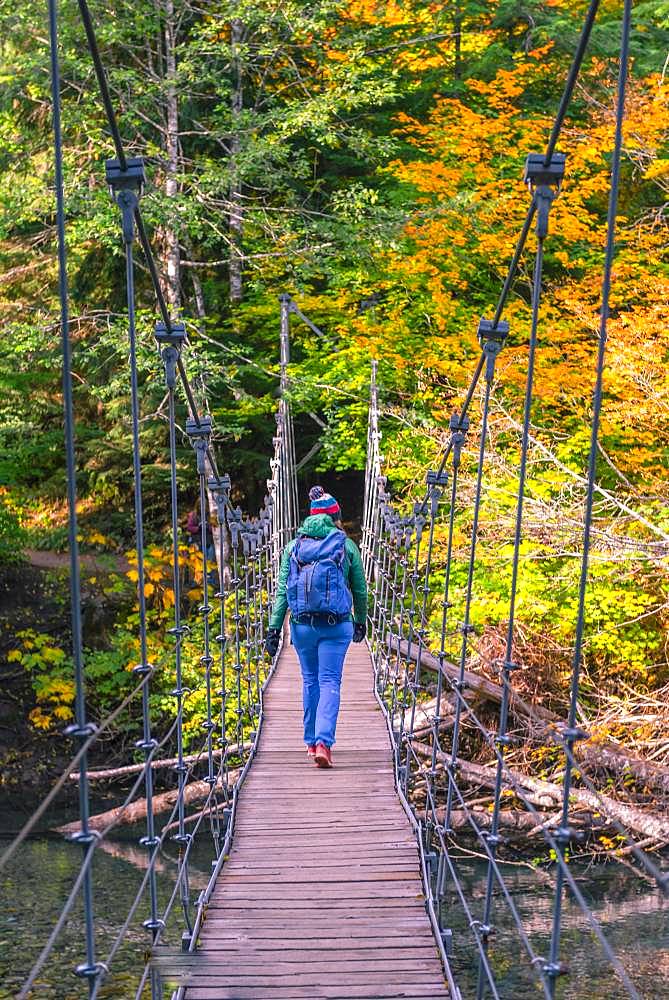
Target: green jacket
[320, 526]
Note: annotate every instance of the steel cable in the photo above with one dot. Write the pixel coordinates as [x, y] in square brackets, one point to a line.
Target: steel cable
[259, 548]
[565, 101]
[98, 838]
[508, 665]
[75, 762]
[127, 200]
[466, 626]
[516, 784]
[572, 733]
[153, 857]
[492, 860]
[81, 730]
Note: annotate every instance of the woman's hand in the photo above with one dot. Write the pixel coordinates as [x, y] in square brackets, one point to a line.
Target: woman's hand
[272, 641]
[359, 631]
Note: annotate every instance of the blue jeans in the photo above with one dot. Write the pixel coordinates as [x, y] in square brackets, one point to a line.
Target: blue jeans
[321, 650]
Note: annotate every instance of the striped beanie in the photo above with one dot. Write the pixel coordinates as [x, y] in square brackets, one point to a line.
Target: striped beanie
[323, 503]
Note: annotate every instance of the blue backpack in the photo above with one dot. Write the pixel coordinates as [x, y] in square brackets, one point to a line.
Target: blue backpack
[316, 582]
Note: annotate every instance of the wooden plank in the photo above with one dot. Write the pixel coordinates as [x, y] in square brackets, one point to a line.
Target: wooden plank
[284, 861]
[306, 928]
[324, 969]
[299, 978]
[256, 855]
[348, 842]
[267, 953]
[358, 992]
[351, 891]
[290, 907]
[308, 937]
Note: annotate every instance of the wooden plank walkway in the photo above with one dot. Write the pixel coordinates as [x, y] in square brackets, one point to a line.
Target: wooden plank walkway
[321, 895]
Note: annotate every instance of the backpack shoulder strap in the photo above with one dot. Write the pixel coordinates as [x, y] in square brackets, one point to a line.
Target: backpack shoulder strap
[295, 550]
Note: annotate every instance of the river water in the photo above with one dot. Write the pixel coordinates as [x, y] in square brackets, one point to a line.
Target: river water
[631, 912]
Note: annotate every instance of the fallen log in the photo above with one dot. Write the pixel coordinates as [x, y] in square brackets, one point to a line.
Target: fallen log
[196, 791]
[613, 758]
[425, 711]
[110, 774]
[609, 756]
[445, 725]
[194, 817]
[509, 819]
[485, 777]
[637, 821]
[481, 686]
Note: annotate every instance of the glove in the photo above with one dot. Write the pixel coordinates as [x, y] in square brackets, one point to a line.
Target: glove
[272, 641]
[359, 631]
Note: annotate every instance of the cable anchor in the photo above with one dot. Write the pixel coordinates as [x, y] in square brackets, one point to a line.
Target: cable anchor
[219, 486]
[492, 337]
[199, 433]
[544, 179]
[126, 187]
[171, 339]
[459, 425]
[437, 481]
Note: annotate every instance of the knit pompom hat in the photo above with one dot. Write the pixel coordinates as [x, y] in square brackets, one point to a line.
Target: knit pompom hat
[323, 503]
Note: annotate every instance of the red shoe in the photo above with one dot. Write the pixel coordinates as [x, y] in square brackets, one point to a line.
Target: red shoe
[323, 755]
[311, 750]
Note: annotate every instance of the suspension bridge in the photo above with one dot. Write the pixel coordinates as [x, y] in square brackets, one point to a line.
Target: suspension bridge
[342, 883]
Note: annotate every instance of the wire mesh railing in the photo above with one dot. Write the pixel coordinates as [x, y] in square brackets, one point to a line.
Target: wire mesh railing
[239, 574]
[409, 551]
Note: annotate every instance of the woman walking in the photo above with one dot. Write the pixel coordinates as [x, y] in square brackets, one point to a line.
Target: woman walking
[322, 581]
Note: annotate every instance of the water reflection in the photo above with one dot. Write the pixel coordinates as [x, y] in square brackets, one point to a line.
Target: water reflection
[632, 913]
[33, 891]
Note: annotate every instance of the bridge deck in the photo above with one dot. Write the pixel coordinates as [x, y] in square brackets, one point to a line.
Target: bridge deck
[321, 895]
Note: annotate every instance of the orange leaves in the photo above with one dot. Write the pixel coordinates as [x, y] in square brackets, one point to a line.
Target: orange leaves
[469, 205]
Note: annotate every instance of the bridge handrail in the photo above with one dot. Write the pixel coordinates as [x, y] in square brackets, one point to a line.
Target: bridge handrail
[400, 574]
[255, 545]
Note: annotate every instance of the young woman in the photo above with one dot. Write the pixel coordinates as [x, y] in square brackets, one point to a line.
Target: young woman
[323, 582]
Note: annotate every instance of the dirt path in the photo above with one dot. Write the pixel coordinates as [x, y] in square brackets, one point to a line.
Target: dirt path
[89, 561]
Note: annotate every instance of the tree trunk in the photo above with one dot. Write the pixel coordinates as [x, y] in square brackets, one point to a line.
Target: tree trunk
[613, 758]
[198, 295]
[196, 791]
[509, 819]
[236, 216]
[171, 236]
[457, 32]
[636, 821]
[609, 756]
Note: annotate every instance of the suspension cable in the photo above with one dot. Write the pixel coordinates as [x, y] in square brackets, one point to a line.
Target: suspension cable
[573, 733]
[82, 729]
[542, 197]
[512, 271]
